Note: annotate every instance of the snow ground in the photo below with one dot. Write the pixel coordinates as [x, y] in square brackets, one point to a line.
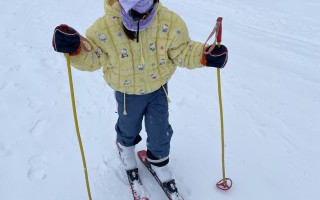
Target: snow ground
[271, 93]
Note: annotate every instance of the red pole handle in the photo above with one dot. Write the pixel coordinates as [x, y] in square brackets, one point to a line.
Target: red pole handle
[219, 30]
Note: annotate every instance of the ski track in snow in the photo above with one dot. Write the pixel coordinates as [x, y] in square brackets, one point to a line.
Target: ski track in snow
[271, 102]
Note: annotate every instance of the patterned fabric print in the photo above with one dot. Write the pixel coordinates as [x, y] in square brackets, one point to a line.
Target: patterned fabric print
[153, 76]
[127, 83]
[152, 47]
[102, 37]
[165, 28]
[99, 52]
[140, 67]
[124, 53]
[162, 61]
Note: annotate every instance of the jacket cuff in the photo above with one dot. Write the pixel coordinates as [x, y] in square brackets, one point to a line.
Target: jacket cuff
[77, 52]
[203, 58]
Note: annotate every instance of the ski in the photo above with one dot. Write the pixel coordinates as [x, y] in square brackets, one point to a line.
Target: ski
[136, 186]
[137, 189]
[169, 189]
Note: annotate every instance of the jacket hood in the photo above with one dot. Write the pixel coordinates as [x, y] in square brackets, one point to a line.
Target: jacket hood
[112, 7]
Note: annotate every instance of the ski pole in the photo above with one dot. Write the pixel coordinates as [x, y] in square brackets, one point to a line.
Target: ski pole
[77, 125]
[224, 183]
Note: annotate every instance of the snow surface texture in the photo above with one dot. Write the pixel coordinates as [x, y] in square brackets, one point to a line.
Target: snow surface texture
[271, 98]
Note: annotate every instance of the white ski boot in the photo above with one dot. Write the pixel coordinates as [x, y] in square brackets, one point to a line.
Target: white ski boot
[163, 173]
[128, 156]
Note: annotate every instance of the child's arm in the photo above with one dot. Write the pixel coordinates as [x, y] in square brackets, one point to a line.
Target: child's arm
[183, 51]
[90, 61]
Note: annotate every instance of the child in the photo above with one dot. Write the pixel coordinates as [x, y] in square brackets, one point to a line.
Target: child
[139, 44]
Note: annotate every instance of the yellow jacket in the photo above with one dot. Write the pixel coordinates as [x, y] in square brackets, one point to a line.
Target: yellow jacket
[138, 68]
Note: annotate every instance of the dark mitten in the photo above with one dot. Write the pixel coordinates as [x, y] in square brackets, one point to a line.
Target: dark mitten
[218, 57]
[65, 39]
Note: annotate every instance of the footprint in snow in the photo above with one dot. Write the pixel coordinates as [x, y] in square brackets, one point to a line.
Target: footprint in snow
[5, 150]
[115, 165]
[38, 127]
[3, 85]
[35, 104]
[37, 171]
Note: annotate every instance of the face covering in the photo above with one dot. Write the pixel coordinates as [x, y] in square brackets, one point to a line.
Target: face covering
[138, 16]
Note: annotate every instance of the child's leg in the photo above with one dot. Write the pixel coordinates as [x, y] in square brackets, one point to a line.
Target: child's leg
[129, 126]
[158, 129]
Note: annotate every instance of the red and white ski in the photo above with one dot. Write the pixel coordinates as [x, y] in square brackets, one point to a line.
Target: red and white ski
[171, 195]
[137, 189]
[136, 186]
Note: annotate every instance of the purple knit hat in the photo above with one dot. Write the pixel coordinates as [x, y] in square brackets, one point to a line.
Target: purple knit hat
[140, 6]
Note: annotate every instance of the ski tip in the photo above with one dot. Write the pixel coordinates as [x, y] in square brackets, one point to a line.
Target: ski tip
[142, 153]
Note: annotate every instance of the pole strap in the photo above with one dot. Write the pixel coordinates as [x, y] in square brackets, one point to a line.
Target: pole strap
[218, 30]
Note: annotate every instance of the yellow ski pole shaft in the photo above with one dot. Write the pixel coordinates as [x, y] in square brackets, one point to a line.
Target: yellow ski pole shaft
[222, 184]
[77, 125]
[221, 125]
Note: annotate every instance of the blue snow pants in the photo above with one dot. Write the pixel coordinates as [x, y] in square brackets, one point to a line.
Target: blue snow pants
[154, 108]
